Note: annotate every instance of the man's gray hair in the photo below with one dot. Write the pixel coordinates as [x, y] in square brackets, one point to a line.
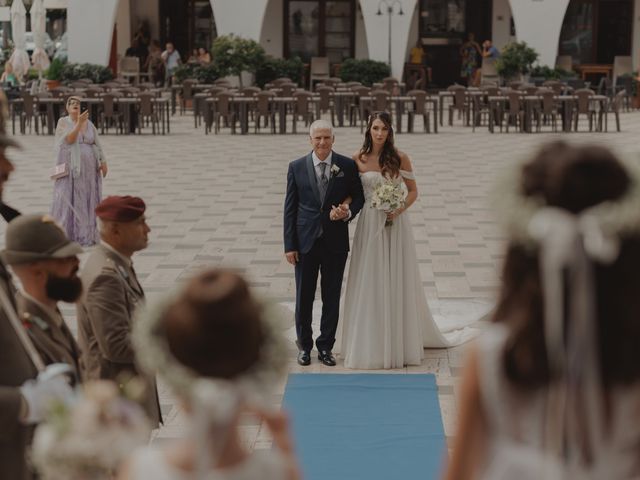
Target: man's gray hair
[321, 124]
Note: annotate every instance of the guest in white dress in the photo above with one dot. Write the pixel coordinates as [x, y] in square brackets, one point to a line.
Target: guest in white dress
[552, 389]
[218, 349]
[386, 320]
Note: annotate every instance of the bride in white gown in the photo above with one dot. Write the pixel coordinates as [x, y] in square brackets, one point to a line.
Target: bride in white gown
[386, 319]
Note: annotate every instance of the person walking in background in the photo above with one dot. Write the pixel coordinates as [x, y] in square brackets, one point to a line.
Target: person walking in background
[155, 64]
[46, 262]
[551, 390]
[112, 293]
[470, 52]
[172, 60]
[80, 166]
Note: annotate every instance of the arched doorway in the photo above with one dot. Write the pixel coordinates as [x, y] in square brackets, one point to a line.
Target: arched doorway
[189, 24]
[595, 31]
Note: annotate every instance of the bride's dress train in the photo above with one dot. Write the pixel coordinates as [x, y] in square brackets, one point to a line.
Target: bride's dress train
[386, 322]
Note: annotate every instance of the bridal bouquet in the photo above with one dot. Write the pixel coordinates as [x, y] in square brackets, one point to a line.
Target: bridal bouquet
[91, 438]
[387, 197]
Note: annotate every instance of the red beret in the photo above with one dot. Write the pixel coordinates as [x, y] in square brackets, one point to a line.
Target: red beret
[120, 209]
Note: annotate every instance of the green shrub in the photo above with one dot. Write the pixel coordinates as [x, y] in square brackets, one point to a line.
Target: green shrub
[272, 68]
[184, 71]
[55, 69]
[548, 73]
[76, 71]
[233, 55]
[207, 73]
[366, 72]
[201, 73]
[517, 58]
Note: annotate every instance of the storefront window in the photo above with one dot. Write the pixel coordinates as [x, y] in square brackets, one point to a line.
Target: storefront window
[304, 29]
[204, 29]
[442, 17]
[576, 37]
[319, 28]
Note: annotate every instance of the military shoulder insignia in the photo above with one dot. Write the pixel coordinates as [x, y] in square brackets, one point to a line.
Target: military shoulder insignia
[29, 320]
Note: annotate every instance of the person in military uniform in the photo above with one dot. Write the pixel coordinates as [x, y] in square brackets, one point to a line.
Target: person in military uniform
[111, 294]
[46, 262]
[23, 398]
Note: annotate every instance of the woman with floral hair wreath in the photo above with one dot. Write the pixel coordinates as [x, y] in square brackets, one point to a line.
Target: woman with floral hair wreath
[552, 389]
[219, 350]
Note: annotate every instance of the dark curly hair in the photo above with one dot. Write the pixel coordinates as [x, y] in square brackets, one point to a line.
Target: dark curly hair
[389, 158]
[573, 178]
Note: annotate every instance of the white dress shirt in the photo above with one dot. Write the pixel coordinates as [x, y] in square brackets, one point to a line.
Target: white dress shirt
[327, 172]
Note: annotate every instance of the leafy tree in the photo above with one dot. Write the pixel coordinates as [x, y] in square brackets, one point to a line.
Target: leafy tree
[273, 68]
[517, 58]
[233, 55]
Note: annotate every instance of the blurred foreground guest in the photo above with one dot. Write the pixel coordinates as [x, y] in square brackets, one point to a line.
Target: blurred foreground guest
[220, 351]
[90, 440]
[552, 389]
[23, 398]
[112, 293]
[80, 166]
[46, 263]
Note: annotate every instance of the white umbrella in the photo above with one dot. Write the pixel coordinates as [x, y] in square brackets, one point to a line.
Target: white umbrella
[39, 58]
[19, 58]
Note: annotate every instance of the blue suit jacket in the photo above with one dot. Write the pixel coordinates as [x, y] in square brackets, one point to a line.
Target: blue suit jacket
[305, 215]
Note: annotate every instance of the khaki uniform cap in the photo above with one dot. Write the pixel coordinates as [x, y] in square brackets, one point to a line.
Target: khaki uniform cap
[31, 238]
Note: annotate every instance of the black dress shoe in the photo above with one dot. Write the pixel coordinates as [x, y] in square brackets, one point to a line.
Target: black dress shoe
[304, 358]
[327, 358]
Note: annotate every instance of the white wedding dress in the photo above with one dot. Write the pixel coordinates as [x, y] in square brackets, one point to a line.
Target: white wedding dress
[386, 319]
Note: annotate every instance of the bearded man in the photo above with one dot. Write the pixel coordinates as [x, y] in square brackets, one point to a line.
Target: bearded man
[46, 262]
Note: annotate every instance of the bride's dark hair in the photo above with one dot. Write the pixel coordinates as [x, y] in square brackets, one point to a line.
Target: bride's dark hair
[389, 158]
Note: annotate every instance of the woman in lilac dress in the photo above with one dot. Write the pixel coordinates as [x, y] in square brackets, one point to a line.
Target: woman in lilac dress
[78, 186]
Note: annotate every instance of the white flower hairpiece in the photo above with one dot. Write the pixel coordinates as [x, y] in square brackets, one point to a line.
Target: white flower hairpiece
[614, 218]
[153, 354]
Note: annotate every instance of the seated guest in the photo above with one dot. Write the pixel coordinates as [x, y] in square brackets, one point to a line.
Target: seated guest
[46, 263]
[8, 77]
[552, 389]
[204, 57]
[220, 350]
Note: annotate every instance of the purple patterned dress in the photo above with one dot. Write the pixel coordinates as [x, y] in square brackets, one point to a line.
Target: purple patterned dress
[76, 195]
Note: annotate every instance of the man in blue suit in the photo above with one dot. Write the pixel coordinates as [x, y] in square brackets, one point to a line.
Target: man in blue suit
[316, 235]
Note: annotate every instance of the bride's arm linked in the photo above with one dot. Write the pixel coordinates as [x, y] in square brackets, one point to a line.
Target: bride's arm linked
[412, 187]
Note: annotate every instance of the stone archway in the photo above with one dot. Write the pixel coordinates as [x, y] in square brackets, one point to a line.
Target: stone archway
[539, 24]
[247, 24]
[91, 22]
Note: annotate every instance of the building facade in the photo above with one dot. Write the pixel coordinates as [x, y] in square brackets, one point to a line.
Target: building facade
[591, 31]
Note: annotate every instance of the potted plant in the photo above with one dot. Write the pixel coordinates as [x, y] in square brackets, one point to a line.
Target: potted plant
[516, 61]
[272, 68]
[234, 55]
[366, 72]
[54, 73]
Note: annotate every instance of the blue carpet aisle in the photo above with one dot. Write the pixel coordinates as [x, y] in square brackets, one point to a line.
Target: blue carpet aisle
[366, 426]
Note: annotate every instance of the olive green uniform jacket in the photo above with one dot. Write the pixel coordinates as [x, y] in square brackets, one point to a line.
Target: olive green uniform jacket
[51, 336]
[105, 320]
[15, 369]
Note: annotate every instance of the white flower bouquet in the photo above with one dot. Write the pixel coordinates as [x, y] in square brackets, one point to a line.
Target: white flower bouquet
[92, 438]
[388, 196]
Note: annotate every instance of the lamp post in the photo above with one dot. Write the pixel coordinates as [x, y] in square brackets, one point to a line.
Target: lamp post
[390, 5]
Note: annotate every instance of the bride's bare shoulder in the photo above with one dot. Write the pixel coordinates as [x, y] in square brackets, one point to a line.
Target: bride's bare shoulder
[357, 156]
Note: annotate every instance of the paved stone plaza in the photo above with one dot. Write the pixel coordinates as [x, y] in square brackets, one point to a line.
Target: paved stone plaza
[217, 200]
